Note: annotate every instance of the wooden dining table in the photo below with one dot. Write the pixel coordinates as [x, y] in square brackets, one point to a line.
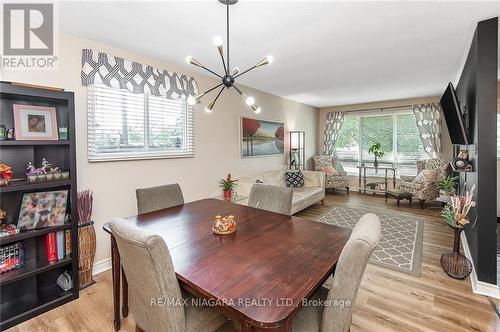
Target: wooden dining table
[260, 274]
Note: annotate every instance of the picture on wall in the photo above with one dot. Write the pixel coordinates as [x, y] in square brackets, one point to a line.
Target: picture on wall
[43, 209]
[35, 122]
[262, 138]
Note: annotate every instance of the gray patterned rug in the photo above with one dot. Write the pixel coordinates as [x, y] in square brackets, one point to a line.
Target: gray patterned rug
[400, 246]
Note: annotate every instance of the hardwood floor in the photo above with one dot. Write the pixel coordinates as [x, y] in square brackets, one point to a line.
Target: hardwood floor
[387, 301]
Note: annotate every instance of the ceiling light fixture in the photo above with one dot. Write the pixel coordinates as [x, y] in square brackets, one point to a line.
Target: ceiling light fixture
[229, 76]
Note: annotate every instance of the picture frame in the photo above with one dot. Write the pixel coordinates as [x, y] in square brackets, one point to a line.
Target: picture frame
[43, 209]
[32, 122]
[261, 138]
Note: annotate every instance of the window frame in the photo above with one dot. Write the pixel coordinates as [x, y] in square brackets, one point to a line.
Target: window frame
[393, 112]
[188, 133]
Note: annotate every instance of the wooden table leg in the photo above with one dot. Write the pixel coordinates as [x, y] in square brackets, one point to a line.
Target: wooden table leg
[247, 327]
[124, 295]
[115, 268]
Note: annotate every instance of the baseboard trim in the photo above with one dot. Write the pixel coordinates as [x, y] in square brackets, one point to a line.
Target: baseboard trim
[101, 266]
[478, 287]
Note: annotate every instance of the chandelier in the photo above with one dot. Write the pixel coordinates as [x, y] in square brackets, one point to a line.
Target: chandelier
[229, 76]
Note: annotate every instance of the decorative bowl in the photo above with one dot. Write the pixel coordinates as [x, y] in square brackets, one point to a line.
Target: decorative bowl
[224, 225]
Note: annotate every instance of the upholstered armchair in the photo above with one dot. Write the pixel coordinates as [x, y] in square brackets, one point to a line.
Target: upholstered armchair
[428, 189]
[339, 180]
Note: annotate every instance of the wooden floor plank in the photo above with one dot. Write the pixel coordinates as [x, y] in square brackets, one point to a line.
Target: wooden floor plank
[388, 300]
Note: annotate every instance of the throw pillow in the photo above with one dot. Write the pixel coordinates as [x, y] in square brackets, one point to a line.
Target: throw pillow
[426, 175]
[329, 170]
[294, 179]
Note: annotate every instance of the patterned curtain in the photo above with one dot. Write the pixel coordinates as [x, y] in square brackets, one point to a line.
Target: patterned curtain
[334, 122]
[429, 127]
[119, 73]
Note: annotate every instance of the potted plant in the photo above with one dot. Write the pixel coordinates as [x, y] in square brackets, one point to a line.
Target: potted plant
[447, 185]
[456, 216]
[376, 149]
[227, 185]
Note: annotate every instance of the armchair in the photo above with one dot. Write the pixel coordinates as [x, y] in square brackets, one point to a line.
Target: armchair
[427, 190]
[332, 181]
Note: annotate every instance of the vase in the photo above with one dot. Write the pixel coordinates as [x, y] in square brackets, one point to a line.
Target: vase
[227, 194]
[454, 263]
[375, 163]
[86, 254]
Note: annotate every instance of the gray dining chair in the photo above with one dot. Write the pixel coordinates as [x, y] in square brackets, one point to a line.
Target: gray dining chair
[271, 198]
[152, 284]
[345, 284]
[157, 198]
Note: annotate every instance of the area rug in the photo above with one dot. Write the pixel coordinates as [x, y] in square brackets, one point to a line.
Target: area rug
[400, 246]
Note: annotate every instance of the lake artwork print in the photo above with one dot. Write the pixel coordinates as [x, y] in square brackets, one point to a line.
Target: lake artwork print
[261, 138]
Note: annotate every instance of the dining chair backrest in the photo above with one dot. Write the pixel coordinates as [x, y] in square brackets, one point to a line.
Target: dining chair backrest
[349, 272]
[151, 278]
[271, 198]
[157, 198]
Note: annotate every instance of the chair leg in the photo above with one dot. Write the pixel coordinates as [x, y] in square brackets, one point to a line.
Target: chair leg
[138, 329]
[347, 188]
[323, 201]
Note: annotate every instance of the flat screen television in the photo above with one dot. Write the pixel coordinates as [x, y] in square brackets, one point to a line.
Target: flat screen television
[455, 120]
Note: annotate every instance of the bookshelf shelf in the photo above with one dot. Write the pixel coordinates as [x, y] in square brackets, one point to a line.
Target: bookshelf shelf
[32, 289]
[23, 186]
[31, 267]
[33, 233]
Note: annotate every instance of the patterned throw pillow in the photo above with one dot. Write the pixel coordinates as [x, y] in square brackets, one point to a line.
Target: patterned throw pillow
[294, 179]
[329, 170]
[426, 175]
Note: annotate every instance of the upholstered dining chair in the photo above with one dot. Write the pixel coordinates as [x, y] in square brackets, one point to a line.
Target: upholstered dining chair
[337, 315]
[151, 279]
[157, 198]
[271, 198]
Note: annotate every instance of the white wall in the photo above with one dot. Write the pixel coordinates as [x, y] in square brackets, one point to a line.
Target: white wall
[216, 139]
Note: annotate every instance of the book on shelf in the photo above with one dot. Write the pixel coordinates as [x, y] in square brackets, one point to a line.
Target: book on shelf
[67, 242]
[60, 245]
[51, 247]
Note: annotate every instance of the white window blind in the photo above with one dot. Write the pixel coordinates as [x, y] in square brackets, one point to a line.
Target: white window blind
[123, 125]
[396, 131]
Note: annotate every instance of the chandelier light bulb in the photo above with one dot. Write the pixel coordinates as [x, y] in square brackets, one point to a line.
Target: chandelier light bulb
[270, 58]
[218, 41]
[208, 109]
[250, 101]
[189, 59]
[235, 72]
[256, 109]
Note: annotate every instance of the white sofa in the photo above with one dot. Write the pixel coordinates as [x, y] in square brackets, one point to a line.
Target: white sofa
[312, 192]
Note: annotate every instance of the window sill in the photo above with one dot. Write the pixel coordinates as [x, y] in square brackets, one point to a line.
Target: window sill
[100, 160]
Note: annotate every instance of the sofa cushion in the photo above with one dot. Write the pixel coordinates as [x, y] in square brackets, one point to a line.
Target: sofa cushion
[312, 179]
[307, 192]
[273, 178]
[294, 179]
[329, 170]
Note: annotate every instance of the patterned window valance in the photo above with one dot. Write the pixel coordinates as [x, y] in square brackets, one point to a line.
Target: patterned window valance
[119, 73]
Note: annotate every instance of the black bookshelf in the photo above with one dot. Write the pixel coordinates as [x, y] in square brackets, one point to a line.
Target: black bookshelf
[32, 289]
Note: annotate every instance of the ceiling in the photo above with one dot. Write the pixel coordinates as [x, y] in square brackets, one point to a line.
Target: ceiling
[326, 53]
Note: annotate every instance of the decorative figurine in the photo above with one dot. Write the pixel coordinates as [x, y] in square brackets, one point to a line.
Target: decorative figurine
[5, 174]
[3, 133]
[45, 173]
[224, 225]
[10, 134]
[461, 162]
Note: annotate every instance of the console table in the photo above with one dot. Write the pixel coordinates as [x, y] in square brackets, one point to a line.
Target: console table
[385, 168]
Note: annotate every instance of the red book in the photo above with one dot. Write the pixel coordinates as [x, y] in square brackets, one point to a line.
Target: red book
[51, 247]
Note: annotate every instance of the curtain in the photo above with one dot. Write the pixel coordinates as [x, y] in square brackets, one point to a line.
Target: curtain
[429, 127]
[116, 72]
[334, 122]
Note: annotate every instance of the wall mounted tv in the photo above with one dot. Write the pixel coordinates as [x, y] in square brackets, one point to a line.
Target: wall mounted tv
[456, 120]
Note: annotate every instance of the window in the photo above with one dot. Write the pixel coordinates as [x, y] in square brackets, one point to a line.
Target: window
[123, 125]
[394, 129]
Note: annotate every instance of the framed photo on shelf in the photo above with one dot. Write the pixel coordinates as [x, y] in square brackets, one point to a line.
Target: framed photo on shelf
[43, 209]
[33, 122]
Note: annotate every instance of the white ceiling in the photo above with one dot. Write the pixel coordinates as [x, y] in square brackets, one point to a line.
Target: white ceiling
[326, 53]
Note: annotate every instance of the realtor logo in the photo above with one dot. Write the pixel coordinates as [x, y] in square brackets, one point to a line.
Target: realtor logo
[28, 36]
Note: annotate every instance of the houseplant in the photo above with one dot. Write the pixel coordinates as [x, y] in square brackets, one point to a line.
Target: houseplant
[447, 185]
[376, 149]
[227, 185]
[456, 216]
